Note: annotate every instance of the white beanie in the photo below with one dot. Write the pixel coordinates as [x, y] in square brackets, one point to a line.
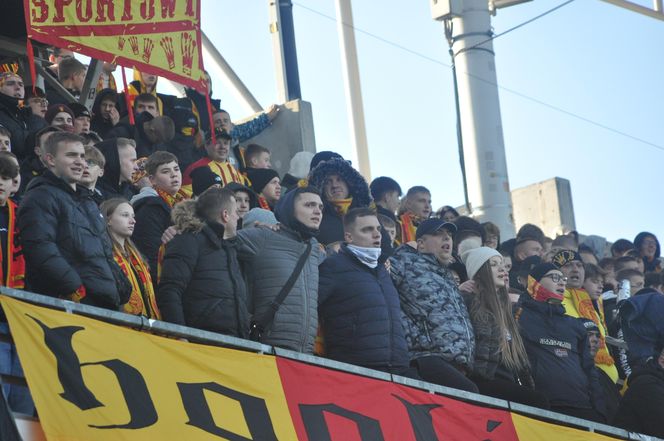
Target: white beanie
[475, 258]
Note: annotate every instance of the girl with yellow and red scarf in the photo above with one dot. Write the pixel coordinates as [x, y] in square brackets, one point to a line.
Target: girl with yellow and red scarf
[120, 220]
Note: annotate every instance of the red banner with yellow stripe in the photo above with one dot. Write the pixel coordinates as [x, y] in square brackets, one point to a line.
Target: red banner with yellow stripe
[91, 380]
[162, 37]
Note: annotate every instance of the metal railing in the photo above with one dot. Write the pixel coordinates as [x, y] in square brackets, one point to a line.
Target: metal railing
[214, 339]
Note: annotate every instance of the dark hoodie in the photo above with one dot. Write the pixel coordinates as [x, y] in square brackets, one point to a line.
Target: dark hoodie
[144, 147]
[109, 184]
[200, 104]
[331, 228]
[642, 325]
[20, 122]
[650, 265]
[285, 214]
[642, 407]
[183, 143]
[98, 123]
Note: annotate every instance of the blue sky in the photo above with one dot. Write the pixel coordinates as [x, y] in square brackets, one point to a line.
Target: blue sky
[589, 58]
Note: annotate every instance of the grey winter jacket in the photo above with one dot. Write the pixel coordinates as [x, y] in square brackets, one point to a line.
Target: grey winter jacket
[435, 317]
[270, 257]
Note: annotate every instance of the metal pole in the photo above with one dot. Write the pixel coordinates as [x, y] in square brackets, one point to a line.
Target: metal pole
[242, 91]
[90, 85]
[479, 110]
[282, 29]
[351, 74]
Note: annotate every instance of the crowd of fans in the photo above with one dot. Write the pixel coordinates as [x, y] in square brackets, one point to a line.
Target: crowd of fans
[162, 219]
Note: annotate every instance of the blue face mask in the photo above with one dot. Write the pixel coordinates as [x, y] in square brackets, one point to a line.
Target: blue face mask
[368, 256]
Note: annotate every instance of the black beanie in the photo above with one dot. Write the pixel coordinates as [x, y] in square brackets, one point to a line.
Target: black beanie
[540, 270]
[203, 178]
[323, 156]
[260, 177]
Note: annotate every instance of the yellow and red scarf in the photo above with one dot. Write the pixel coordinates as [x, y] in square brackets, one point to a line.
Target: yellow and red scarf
[262, 203]
[342, 205]
[540, 293]
[15, 277]
[142, 300]
[409, 223]
[171, 200]
[584, 306]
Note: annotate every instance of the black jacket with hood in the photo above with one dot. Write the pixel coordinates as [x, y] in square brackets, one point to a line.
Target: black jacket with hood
[642, 407]
[97, 122]
[201, 284]
[153, 217]
[332, 228]
[20, 122]
[109, 184]
[66, 245]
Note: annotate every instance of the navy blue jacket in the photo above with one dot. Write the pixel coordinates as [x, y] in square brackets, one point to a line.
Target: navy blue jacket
[360, 313]
[642, 326]
[559, 354]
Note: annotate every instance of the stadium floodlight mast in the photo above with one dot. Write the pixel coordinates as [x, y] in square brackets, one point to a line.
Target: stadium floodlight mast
[467, 25]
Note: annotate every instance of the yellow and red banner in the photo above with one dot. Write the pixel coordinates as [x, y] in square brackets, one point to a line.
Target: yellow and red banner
[162, 37]
[94, 381]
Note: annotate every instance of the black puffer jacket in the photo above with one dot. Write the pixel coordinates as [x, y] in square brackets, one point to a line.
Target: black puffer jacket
[360, 314]
[153, 217]
[642, 407]
[20, 122]
[65, 244]
[109, 184]
[332, 228]
[201, 284]
[559, 354]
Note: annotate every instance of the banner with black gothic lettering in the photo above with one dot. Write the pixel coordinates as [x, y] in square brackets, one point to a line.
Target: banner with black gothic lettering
[162, 37]
[94, 381]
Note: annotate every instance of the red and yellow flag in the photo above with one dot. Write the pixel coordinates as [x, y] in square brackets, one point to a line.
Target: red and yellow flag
[162, 37]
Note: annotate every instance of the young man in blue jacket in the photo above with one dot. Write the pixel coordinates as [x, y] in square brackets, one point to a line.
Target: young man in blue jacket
[358, 305]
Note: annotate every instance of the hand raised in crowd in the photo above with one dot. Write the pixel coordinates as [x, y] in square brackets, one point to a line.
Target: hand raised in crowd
[115, 116]
[272, 112]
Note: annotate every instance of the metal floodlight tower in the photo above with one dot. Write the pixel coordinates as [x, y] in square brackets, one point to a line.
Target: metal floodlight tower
[468, 28]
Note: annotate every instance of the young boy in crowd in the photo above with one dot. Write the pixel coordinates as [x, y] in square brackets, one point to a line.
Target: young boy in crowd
[266, 184]
[635, 278]
[153, 209]
[94, 170]
[5, 140]
[13, 276]
[389, 226]
[257, 156]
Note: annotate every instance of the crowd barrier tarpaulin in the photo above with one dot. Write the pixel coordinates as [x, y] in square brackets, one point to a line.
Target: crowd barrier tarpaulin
[94, 380]
[162, 37]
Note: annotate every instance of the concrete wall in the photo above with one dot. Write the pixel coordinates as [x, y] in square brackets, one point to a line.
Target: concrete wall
[547, 204]
[291, 132]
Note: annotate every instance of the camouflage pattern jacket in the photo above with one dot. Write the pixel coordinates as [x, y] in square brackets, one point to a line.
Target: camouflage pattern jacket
[435, 318]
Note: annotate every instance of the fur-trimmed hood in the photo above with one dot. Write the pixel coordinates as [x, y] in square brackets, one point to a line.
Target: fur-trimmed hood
[357, 185]
[184, 217]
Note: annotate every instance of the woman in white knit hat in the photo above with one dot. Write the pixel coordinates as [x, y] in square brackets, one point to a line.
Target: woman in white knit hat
[501, 367]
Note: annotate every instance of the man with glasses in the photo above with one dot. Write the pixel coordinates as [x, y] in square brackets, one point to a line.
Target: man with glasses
[557, 346]
[16, 118]
[36, 100]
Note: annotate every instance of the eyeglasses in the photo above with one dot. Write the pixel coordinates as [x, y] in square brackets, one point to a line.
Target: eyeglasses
[92, 163]
[40, 101]
[556, 278]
